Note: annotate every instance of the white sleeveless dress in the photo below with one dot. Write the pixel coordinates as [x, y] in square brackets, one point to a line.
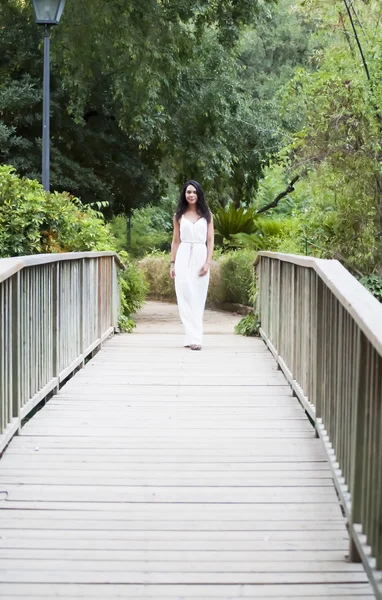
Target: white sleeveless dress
[191, 288]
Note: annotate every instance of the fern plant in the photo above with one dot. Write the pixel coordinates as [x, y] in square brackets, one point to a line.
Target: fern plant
[231, 220]
[266, 232]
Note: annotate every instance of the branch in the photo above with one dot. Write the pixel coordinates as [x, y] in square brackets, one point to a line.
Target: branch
[345, 31]
[337, 256]
[282, 195]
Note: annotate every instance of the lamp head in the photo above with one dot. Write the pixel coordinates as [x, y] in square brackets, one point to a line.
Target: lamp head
[48, 12]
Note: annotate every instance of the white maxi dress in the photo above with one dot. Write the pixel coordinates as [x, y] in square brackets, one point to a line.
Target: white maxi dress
[191, 288]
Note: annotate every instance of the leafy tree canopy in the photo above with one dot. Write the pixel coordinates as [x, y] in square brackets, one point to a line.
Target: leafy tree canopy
[142, 93]
[336, 146]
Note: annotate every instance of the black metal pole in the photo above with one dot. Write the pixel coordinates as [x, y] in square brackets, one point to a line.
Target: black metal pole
[128, 224]
[46, 112]
[374, 104]
[357, 40]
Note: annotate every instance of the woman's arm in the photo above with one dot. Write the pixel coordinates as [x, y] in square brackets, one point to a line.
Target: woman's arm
[210, 248]
[174, 246]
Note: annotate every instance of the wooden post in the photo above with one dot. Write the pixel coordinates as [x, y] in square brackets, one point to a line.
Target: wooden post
[56, 322]
[356, 483]
[15, 345]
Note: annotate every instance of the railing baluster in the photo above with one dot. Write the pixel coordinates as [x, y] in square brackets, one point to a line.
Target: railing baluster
[16, 345]
[54, 311]
[326, 332]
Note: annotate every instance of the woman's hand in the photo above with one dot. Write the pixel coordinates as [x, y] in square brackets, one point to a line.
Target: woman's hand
[204, 270]
[172, 272]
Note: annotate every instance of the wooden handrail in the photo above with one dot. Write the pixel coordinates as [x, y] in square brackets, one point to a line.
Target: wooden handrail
[9, 266]
[325, 330]
[55, 311]
[353, 296]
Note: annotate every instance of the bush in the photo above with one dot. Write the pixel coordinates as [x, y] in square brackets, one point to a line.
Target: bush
[236, 276]
[249, 325]
[33, 221]
[232, 220]
[374, 284]
[275, 235]
[133, 291]
[231, 277]
[156, 269]
[151, 229]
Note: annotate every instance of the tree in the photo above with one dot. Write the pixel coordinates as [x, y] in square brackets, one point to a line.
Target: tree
[339, 146]
[130, 84]
[93, 159]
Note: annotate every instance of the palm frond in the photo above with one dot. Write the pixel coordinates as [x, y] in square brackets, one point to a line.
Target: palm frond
[232, 220]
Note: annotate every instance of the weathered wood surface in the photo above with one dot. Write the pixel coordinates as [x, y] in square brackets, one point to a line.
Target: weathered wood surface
[55, 311]
[325, 330]
[158, 472]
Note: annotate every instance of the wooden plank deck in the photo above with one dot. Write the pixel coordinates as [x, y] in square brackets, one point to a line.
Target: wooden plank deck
[158, 472]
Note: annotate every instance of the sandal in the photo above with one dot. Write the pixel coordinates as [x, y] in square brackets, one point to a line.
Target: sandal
[195, 347]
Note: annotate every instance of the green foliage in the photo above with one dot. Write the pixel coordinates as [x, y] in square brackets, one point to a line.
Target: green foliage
[374, 284]
[339, 143]
[231, 220]
[150, 229]
[275, 235]
[239, 95]
[156, 269]
[32, 221]
[143, 95]
[236, 276]
[249, 325]
[342, 221]
[280, 229]
[90, 157]
[231, 277]
[271, 52]
[133, 291]
[276, 178]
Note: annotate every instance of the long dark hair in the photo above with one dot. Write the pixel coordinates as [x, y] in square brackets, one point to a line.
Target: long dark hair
[201, 205]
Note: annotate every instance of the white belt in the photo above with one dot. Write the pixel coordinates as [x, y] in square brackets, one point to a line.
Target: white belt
[191, 249]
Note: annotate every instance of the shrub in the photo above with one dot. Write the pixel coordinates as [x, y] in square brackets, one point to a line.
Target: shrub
[133, 291]
[232, 220]
[216, 291]
[33, 221]
[231, 276]
[236, 276]
[156, 269]
[249, 325]
[276, 235]
[151, 230]
[374, 284]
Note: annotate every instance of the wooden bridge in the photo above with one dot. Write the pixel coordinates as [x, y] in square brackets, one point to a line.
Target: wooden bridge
[157, 472]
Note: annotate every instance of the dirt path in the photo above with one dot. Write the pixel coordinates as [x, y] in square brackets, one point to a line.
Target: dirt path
[163, 317]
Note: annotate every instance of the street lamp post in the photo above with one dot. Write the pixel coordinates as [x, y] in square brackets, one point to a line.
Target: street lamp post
[47, 13]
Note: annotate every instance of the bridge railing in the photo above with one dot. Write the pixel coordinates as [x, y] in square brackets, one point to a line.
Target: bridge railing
[325, 330]
[55, 310]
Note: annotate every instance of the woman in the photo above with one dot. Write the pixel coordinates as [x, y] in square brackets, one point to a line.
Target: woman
[191, 254]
